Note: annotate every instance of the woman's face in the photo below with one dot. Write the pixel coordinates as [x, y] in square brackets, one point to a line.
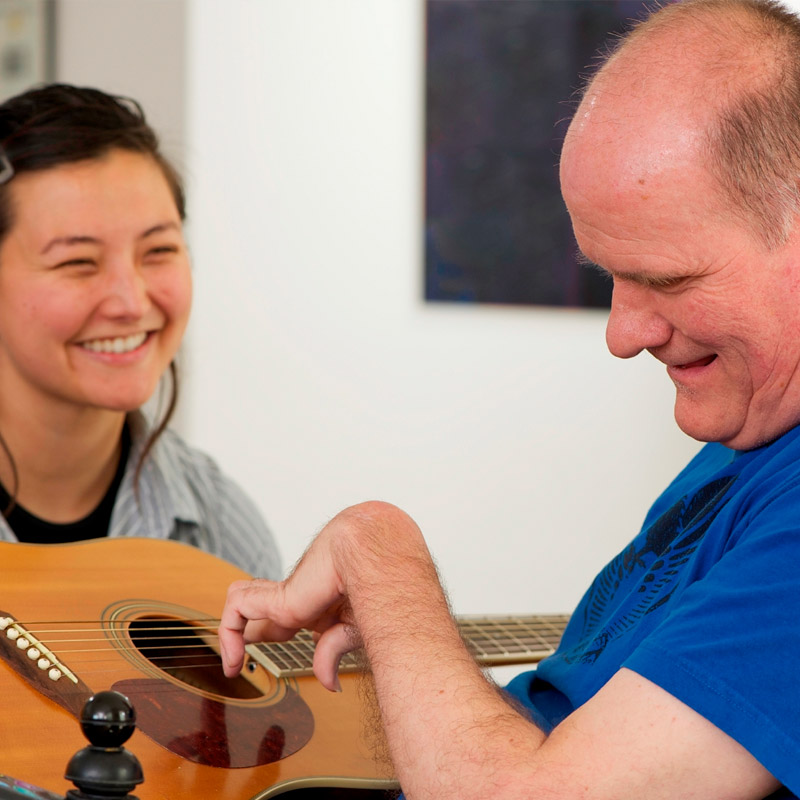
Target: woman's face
[95, 284]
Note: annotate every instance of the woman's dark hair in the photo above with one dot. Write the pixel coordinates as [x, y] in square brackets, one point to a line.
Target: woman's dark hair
[56, 124]
[59, 124]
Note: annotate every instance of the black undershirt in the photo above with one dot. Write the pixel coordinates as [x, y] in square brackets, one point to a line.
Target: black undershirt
[32, 529]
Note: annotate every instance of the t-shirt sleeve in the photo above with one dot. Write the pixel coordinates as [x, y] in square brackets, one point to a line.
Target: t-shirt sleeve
[748, 603]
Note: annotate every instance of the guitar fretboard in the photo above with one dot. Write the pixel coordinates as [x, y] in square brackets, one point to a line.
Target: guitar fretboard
[492, 640]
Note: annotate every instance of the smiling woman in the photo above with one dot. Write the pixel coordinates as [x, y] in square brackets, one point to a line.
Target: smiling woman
[95, 294]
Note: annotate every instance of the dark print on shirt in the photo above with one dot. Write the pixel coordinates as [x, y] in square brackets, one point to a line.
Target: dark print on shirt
[668, 544]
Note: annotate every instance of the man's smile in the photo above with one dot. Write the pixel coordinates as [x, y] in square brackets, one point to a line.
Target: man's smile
[700, 362]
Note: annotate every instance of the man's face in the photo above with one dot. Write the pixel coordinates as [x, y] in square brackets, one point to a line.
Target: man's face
[693, 284]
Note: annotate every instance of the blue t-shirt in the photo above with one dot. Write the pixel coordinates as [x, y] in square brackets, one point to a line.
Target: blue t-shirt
[705, 603]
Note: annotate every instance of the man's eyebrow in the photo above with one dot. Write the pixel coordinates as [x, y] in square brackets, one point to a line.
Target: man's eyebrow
[587, 262]
[640, 278]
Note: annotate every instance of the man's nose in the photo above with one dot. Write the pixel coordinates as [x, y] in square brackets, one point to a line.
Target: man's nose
[634, 324]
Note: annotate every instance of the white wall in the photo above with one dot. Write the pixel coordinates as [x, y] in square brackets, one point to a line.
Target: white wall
[129, 47]
[319, 377]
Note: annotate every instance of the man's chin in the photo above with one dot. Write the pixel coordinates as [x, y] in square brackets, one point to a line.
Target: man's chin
[723, 431]
[705, 425]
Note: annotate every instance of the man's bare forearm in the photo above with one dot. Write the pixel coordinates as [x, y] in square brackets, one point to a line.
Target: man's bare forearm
[445, 723]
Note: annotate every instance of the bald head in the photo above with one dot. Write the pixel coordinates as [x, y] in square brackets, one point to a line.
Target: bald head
[680, 172]
[711, 82]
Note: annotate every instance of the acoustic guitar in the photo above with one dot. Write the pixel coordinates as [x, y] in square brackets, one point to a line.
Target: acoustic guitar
[138, 616]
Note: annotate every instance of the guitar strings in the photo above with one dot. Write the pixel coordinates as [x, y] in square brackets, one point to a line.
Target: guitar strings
[213, 623]
[555, 627]
[298, 651]
[501, 634]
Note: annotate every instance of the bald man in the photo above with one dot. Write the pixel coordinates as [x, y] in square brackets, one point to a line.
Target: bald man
[676, 677]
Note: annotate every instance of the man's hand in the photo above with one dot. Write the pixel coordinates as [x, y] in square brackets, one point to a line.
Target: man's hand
[315, 595]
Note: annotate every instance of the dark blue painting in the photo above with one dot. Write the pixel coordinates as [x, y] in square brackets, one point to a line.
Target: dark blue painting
[501, 83]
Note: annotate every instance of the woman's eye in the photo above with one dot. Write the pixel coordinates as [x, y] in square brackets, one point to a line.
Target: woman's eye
[163, 250]
[76, 262]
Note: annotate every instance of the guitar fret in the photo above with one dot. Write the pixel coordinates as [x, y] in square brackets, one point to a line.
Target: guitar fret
[508, 640]
[283, 655]
[492, 640]
[295, 657]
[512, 640]
[296, 652]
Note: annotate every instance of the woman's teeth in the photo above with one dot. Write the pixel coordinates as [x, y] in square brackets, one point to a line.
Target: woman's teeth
[121, 344]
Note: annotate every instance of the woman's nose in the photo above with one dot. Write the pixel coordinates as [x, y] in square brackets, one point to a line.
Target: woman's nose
[126, 291]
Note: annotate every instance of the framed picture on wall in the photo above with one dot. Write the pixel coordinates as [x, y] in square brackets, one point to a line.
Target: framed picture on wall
[26, 44]
[502, 78]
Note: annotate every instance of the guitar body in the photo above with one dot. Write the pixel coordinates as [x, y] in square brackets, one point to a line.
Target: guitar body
[137, 615]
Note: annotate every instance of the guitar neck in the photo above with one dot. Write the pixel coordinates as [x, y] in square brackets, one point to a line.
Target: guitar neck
[492, 640]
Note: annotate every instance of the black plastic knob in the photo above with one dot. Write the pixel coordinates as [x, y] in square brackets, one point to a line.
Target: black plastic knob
[105, 769]
[102, 773]
[108, 719]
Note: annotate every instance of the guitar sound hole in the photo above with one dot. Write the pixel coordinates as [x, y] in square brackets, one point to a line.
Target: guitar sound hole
[177, 648]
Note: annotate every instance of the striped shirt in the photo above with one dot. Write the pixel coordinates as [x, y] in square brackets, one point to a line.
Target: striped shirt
[183, 495]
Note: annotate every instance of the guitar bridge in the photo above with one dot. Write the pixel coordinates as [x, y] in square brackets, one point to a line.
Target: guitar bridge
[33, 661]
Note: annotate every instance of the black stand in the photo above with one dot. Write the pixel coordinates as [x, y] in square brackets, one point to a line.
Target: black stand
[105, 769]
